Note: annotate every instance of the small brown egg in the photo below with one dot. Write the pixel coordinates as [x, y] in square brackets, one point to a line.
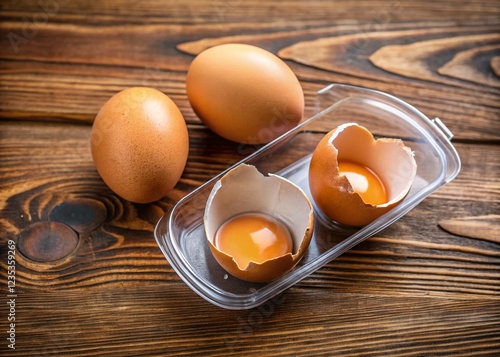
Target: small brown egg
[140, 144]
[258, 227]
[354, 178]
[244, 93]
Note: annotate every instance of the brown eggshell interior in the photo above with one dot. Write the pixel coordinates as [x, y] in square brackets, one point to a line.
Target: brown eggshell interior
[245, 189]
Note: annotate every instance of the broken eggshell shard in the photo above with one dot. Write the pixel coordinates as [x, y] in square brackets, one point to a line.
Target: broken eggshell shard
[245, 189]
[389, 158]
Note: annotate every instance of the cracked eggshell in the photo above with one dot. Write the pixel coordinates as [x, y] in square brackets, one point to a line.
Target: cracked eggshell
[389, 158]
[245, 189]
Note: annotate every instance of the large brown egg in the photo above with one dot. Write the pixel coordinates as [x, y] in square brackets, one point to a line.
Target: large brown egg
[355, 179]
[244, 93]
[264, 212]
[140, 144]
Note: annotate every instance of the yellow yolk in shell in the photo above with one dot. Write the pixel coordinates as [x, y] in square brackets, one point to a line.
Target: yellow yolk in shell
[365, 182]
[253, 237]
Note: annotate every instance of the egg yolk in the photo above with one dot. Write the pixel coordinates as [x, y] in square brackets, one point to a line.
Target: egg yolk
[253, 237]
[364, 182]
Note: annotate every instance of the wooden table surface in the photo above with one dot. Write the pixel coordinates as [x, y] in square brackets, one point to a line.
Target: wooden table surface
[428, 285]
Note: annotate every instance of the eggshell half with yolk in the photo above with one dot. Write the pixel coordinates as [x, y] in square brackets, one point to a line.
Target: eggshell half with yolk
[244, 189]
[389, 158]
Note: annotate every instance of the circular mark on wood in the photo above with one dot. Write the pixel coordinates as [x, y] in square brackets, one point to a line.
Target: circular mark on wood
[82, 214]
[47, 241]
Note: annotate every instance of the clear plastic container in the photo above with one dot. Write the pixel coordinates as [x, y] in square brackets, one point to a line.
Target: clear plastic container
[180, 232]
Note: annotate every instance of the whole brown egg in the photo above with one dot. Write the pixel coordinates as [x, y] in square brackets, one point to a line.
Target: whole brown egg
[244, 93]
[140, 144]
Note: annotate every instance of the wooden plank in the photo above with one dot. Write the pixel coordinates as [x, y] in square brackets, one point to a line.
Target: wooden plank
[172, 320]
[68, 86]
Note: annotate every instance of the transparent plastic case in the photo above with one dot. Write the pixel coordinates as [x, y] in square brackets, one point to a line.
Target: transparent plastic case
[180, 232]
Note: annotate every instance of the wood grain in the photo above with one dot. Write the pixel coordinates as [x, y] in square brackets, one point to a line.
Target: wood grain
[427, 285]
[481, 227]
[464, 65]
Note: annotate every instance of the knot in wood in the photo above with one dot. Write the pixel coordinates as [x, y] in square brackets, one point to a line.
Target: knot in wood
[47, 241]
